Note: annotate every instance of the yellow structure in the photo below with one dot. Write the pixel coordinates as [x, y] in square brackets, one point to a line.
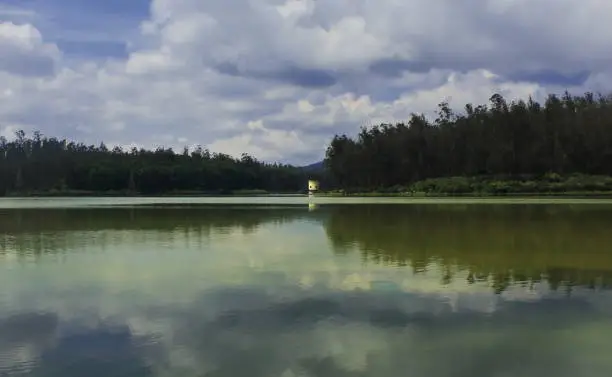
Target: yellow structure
[313, 186]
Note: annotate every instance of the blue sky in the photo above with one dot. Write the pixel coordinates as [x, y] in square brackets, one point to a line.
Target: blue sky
[278, 78]
[85, 28]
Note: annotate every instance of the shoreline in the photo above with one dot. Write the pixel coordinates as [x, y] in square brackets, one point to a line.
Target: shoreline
[106, 194]
[568, 195]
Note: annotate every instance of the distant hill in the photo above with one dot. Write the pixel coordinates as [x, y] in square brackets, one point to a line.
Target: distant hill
[314, 167]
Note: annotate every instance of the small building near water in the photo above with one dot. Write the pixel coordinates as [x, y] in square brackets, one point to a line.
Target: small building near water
[313, 186]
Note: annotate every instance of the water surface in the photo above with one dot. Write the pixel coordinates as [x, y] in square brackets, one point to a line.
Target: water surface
[275, 287]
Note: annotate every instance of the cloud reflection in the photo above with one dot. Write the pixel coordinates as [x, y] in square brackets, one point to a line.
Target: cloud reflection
[326, 334]
[308, 293]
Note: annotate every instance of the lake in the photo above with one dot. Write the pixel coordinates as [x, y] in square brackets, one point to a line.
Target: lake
[281, 287]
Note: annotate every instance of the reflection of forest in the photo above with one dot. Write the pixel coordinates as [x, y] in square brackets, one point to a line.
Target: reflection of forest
[499, 244]
[53, 230]
[504, 245]
[143, 217]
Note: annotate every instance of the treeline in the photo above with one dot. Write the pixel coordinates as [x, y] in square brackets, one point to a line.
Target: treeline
[38, 165]
[517, 141]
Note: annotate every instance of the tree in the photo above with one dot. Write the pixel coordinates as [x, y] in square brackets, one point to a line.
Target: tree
[41, 164]
[568, 134]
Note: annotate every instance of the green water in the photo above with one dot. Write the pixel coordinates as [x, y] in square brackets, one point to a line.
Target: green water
[276, 287]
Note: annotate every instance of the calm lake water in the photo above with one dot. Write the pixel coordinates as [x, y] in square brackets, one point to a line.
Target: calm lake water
[276, 287]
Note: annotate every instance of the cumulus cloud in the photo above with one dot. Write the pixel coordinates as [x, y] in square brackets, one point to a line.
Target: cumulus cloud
[23, 51]
[278, 78]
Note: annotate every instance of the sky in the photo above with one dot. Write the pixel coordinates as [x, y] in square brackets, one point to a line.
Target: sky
[279, 78]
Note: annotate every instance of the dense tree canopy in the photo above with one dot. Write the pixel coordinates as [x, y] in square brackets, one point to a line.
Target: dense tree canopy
[567, 134]
[39, 164]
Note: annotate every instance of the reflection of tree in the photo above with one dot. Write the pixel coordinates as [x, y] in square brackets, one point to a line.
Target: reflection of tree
[502, 245]
[496, 244]
[51, 230]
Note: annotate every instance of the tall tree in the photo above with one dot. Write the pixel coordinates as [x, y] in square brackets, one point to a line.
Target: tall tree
[568, 134]
[41, 164]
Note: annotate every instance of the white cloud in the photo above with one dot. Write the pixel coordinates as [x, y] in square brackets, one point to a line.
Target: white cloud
[23, 51]
[301, 70]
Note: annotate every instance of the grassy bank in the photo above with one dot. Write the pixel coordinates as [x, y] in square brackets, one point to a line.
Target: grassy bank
[574, 185]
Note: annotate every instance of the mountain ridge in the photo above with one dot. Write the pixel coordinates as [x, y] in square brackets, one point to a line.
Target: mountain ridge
[316, 166]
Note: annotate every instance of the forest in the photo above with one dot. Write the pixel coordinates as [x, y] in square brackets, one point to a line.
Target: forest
[516, 147]
[521, 146]
[40, 165]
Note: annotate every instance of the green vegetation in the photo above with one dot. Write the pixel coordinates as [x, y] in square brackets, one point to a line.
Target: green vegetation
[548, 184]
[562, 146]
[47, 166]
